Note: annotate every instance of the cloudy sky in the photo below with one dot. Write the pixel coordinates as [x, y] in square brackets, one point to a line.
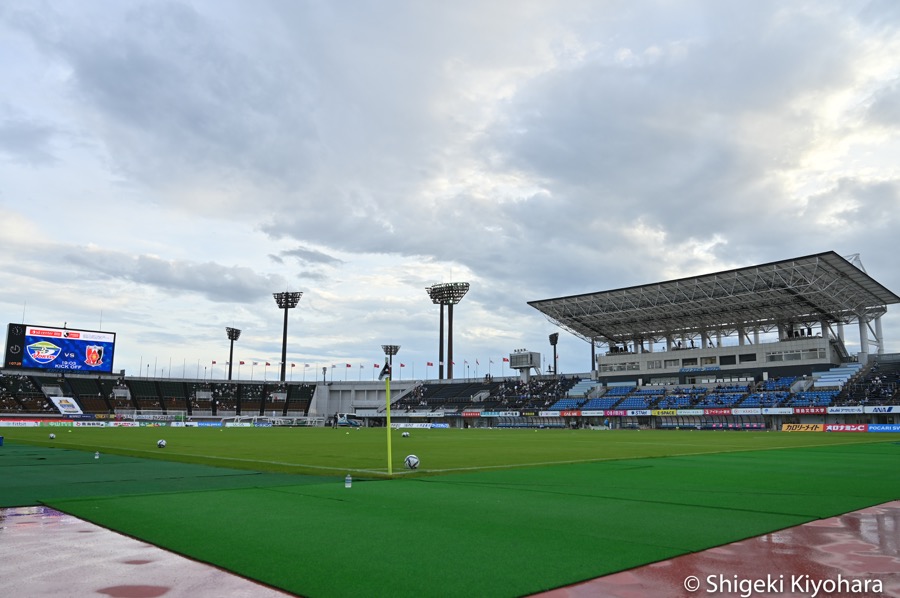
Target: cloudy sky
[166, 166]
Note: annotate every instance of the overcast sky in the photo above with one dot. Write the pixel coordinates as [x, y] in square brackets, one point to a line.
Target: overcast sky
[166, 166]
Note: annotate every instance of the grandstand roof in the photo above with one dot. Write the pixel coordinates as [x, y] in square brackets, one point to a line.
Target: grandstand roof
[804, 290]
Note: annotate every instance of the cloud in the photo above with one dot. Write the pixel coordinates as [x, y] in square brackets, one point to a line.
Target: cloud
[306, 255]
[215, 282]
[360, 153]
[27, 141]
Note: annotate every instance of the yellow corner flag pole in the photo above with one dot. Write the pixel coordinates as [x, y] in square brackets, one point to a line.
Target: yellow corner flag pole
[387, 387]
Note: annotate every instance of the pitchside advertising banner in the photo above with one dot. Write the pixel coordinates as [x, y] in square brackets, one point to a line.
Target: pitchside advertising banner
[840, 428]
[59, 349]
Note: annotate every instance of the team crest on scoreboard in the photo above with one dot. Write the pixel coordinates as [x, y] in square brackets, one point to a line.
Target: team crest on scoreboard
[43, 351]
[93, 355]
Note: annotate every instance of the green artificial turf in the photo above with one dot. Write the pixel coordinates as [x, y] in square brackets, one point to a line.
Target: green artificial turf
[324, 451]
[482, 519]
[33, 474]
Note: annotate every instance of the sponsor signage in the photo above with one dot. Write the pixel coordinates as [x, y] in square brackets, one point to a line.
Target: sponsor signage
[719, 411]
[19, 423]
[216, 424]
[440, 425]
[888, 409]
[593, 413]
[89, 424]
[746, 411]
[845, 427]
[549, 413]
[708, 368]
[661, 412]
[847, 409]
[615, 412]
[777, 411]
[884, 427]
[162, 417]
[529, 413]
[638, 412]
[471, 413]
[689, 411]
[802, 427]
[809, 410]
[124, 424]
[570, 413]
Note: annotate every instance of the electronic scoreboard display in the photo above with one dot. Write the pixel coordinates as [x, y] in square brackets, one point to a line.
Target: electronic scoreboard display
[59, 349]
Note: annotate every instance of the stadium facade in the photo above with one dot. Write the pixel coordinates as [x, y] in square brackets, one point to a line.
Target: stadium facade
[749, 348]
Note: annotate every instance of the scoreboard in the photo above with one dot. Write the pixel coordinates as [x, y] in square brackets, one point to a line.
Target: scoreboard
[59, 349]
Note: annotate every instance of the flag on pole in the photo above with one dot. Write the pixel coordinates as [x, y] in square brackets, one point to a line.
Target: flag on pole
[429, 364]
[240, 363]
[349, 366]
[403, 365]
[268, 364]
[214, 362]
[255, 363]
[293, 365]
[506, 359]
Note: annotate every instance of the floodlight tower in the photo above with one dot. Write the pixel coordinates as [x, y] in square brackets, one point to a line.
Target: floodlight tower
[389, 352]
[233, 335]
[554, 338]
[286, 301]
[449, 294]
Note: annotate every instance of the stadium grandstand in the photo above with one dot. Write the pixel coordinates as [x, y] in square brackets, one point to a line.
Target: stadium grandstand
[748, 348]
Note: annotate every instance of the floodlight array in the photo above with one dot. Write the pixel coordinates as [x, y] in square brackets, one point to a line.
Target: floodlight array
[287, 300]
[447, 293]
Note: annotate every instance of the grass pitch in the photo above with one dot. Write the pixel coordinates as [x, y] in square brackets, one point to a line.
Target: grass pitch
[326, 451]
[492, 512]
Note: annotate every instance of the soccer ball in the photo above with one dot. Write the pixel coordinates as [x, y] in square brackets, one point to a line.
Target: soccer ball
[161, 444]
[405, 435]
[52, 436]
[411, 462]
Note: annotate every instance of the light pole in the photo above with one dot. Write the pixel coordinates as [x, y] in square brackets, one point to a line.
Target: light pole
[286, 301]
[554, 338]
[233, 335]
[449, 294]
